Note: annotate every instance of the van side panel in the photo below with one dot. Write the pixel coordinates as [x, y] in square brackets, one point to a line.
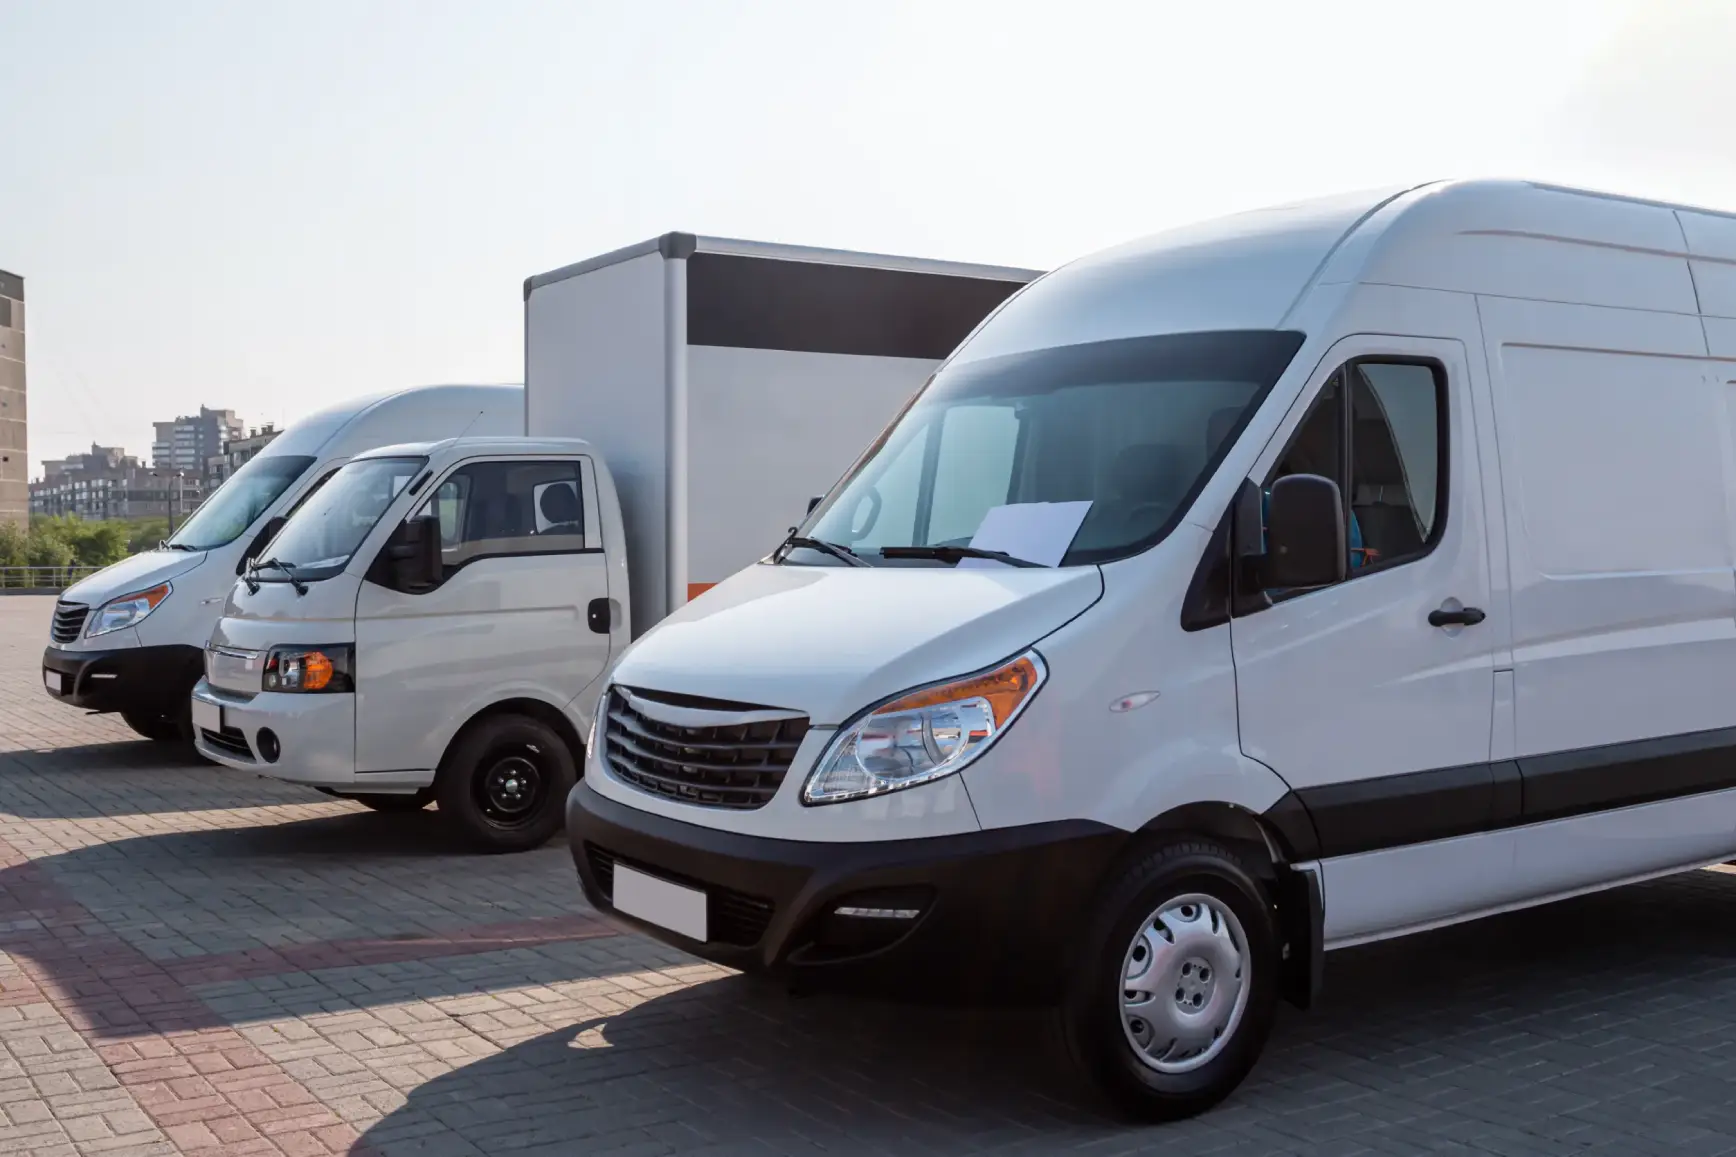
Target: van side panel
[594, 369]
[1711, 244]
[1617, 469]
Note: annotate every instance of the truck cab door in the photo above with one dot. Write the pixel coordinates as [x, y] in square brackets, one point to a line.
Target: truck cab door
[512, 615]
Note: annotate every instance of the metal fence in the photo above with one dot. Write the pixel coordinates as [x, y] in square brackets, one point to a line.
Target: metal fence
[42, 578]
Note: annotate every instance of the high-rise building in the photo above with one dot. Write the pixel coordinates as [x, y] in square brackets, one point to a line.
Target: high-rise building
[189, 443]
[14, 425]
[237, 452]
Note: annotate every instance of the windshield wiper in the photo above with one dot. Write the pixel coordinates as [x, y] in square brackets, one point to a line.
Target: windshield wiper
[167, 545]
[953, 554]
[273, 564]
[842, 553]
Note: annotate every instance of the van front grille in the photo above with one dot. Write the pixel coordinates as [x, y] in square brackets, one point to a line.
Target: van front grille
[700, 752]
[68, 621]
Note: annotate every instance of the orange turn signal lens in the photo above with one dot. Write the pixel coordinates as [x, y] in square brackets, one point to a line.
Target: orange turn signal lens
[1003, 689]
[316, 671]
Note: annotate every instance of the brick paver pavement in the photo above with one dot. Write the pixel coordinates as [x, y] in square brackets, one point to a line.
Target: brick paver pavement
[197, 961]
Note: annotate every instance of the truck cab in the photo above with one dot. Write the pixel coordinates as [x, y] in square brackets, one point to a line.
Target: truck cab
[432, 624]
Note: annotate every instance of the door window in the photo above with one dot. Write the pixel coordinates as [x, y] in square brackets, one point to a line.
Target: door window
[496, 509]
[1378, 429]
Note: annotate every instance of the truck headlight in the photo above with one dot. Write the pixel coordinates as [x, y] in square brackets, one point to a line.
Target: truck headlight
[925, 734]
[329, 669]
[126, 611]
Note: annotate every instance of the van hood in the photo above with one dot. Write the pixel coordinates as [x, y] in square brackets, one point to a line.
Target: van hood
[830, 641]
[136, 572]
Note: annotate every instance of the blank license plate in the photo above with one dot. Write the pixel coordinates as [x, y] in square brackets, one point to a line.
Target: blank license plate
[54, 681]
[681, 910]
[207, 716]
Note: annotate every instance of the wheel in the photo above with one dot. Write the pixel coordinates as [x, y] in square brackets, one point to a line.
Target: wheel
[393, 804]
[1179, 983]
[156, 725]
[504, 784]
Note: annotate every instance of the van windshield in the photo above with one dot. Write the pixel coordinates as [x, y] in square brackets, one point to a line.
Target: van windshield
[238, 503]
[319, 539]
[1133, 427]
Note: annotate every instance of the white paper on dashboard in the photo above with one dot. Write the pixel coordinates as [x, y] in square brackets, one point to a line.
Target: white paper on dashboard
[1038, 532]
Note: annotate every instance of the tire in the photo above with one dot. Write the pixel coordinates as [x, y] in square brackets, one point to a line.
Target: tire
[157, 726]
[504, 784]
[388, 804]
[1217, 952]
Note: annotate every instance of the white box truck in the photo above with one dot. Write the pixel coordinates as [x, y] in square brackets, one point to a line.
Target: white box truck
[436, 623]
[730, 382]
[131, 637]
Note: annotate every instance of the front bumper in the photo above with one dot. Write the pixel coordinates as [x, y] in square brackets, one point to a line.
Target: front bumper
[998, 909]
[315, 735]
[142, 679]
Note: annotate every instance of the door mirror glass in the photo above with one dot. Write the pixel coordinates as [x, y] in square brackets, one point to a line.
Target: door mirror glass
[1305, 533]
[260, 542]
[413, 554]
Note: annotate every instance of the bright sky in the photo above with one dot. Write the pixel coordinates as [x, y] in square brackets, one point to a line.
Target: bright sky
[274, 206]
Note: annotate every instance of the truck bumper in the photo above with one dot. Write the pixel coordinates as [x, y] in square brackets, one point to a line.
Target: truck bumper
[141, 679]
[983, 915]
[307, 739]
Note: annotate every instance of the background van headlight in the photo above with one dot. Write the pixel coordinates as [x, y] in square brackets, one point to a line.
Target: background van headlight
[310, 669]
[126, 611]
[925, 734]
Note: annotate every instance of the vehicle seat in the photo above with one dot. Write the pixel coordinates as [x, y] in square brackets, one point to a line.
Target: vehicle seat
[1382, 501]
[560, 509]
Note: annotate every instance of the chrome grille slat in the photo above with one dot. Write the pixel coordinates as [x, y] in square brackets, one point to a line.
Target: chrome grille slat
[714, 758]
[68, 621]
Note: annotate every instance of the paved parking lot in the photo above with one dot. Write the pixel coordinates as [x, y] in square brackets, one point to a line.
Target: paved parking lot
[195, 961]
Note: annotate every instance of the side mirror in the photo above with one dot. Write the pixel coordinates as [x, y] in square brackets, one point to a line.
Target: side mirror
[1306, 543]
[412, 555]
[260, 542]
[813, 502]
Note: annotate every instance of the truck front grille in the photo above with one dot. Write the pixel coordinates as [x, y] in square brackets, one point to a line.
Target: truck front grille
[700, 751]
[68, 621]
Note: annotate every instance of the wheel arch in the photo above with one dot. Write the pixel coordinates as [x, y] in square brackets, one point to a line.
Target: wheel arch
[1297, 891]
[538, 709]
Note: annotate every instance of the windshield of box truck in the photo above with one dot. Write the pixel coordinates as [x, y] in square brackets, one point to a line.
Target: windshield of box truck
[320, 538]
[1133, 427]
[238, 503]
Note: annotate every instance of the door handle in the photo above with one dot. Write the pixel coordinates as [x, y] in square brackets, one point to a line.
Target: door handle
[1463, 617]
[599, 616]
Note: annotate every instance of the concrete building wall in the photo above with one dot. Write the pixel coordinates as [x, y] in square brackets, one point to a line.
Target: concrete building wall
[14, 412]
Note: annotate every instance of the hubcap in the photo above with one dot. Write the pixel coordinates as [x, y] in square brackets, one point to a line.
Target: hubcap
[511, 787]
[1184, 984]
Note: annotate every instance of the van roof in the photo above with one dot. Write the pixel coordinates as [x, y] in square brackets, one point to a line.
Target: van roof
[310, 434]
[513, 444]
[1251, 270]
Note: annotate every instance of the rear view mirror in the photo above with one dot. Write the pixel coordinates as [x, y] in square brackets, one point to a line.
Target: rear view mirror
[412, 555]
[260, 542]
[1305, 534]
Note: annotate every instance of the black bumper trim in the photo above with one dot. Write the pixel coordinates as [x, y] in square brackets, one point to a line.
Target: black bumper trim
[127, 678]
[999, 908]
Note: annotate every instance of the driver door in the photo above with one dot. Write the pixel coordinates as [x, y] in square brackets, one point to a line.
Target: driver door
[522, 560]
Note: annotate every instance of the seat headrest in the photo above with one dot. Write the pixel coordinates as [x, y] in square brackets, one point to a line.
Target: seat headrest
[1144, 472]
[559, 504]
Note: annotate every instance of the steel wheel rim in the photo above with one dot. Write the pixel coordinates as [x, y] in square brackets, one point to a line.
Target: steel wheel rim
[511, 786]
[1184, 984]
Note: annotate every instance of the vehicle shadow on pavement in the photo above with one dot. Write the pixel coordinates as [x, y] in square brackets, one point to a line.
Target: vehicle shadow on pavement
[1515, 1034]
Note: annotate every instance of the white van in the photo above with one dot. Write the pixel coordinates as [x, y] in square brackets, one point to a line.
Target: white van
[131, 637]
[1297, 580]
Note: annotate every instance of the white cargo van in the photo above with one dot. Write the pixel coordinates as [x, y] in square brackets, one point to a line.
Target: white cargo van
[131, 637]
[394, 664]
[1300, 579]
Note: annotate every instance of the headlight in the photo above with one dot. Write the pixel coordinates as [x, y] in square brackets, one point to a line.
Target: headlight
[924, 734]
[126, 611]
[310, 669]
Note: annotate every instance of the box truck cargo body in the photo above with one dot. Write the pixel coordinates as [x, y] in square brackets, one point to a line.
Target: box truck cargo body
[438, 623]
[729, 382]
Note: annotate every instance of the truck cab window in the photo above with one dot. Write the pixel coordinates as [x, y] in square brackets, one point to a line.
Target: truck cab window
[491, 509]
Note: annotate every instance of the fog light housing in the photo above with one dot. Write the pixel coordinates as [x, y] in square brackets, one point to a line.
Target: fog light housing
[269, 748]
